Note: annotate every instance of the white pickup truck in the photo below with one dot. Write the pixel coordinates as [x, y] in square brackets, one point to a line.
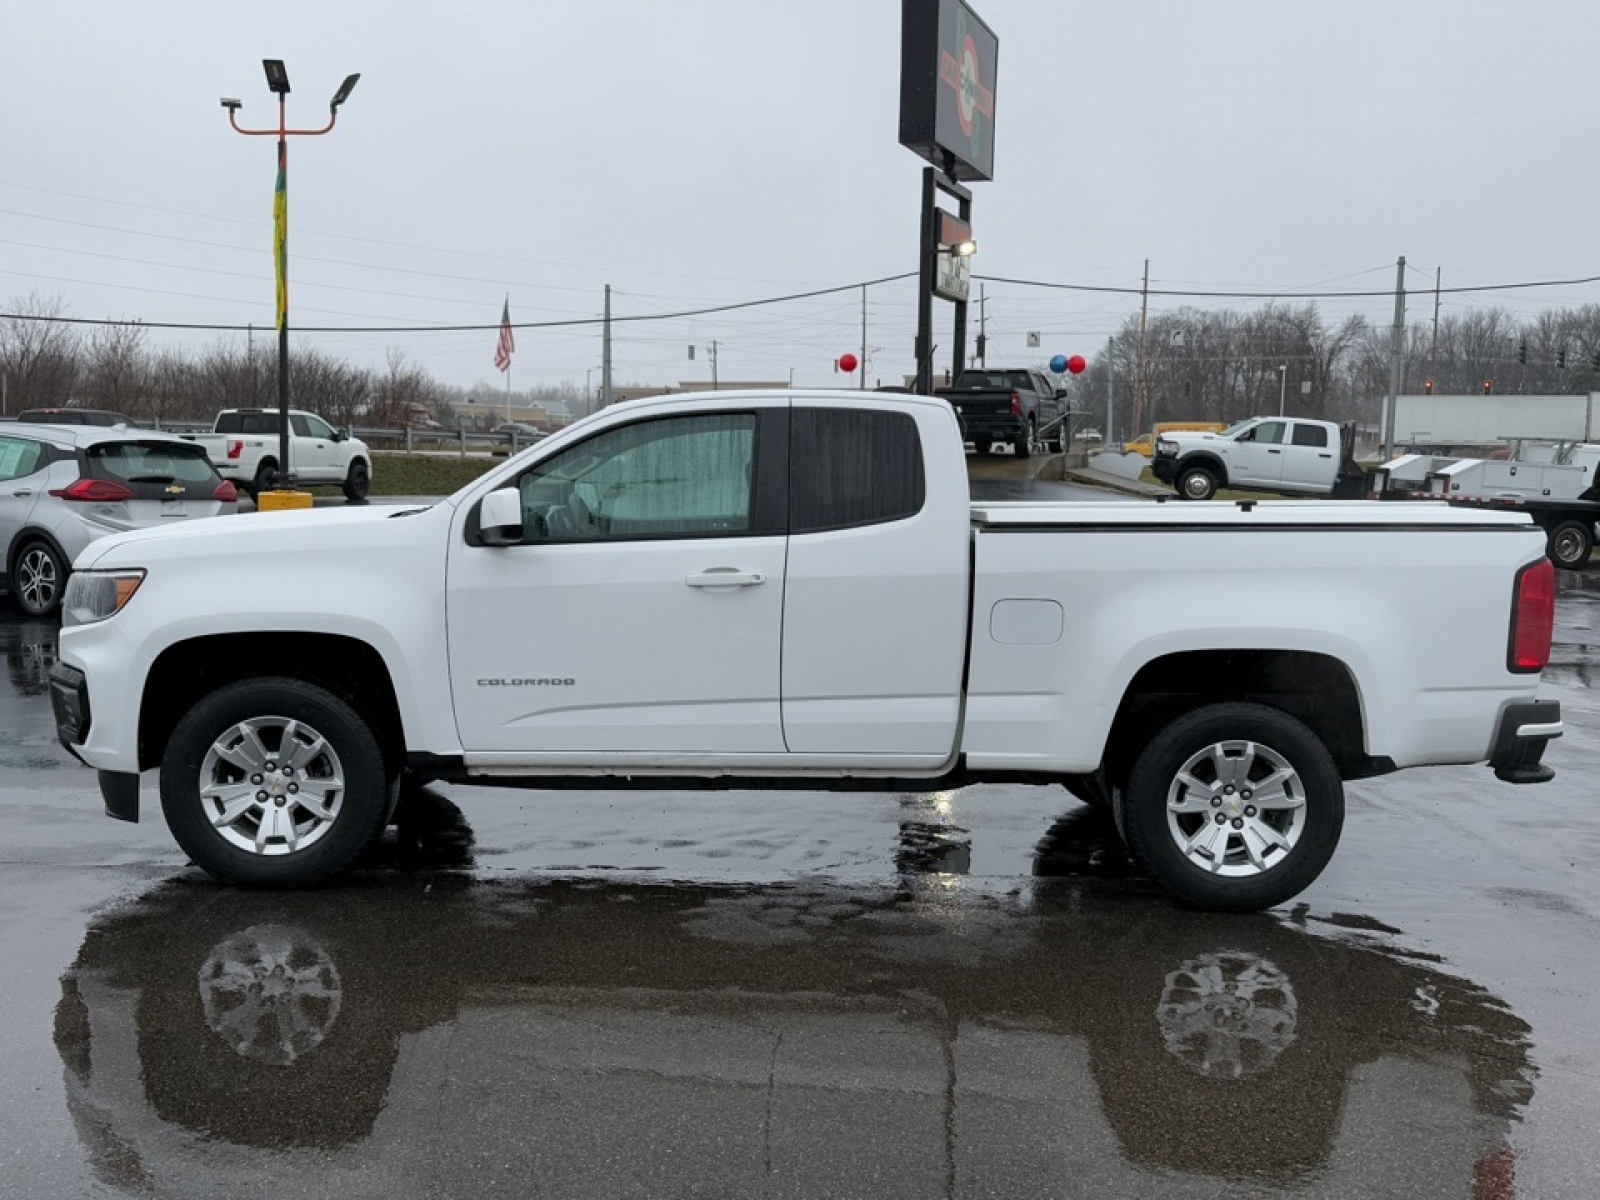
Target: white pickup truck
[244, 446]
[1293, 455]
[760, 590]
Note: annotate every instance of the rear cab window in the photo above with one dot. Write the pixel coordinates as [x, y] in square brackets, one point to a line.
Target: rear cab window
[852, 467]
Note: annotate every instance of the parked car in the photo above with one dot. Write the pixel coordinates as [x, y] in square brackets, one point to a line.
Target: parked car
[518, 434]
[73, 416]
[1296, 456]
[64, 486]
[1014, 406]
[795, 590]
[243, 446]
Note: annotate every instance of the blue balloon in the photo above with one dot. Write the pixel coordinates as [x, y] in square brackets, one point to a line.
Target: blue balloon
[1058, 364]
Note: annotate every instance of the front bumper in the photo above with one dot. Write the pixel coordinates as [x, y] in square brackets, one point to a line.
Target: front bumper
[1164, 469]
[69, 699]
[1520, 738]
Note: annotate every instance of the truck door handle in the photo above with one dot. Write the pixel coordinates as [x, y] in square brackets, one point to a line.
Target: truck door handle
[1273, 450]
[23, 494]
[717, 577]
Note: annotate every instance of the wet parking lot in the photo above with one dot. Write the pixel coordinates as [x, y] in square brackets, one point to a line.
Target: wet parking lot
[764, 994]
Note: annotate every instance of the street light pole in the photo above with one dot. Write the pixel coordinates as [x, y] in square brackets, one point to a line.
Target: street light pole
[278, 83]
[1283, 383]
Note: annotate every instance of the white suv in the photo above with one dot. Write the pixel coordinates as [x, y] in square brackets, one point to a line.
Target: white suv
[63, 486]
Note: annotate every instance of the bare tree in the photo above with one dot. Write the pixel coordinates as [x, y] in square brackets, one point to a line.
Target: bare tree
[115, 371]
[38, 355]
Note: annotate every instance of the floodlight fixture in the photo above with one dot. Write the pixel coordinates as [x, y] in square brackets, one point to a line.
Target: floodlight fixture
[277, 75]
[232, 105]
[343, 94]
[964, 249]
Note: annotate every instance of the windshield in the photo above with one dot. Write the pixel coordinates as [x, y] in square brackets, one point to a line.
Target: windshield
[1237, 428]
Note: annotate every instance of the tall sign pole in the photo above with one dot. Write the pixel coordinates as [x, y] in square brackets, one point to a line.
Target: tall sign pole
[948, 60]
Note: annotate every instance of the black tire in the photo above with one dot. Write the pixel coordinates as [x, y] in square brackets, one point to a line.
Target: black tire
[358, 481]
[266, 478]
[1022, 447]
[1196, 483]
[335, 744]
[1268, 852]
[1569, 544]
[38, 577]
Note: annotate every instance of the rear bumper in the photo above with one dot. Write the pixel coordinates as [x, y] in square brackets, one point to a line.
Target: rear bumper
[1520, 738]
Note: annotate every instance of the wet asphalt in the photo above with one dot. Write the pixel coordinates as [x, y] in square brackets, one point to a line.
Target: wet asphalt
[762, 994]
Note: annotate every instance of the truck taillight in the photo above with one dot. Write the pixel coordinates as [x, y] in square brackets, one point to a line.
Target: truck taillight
[1016, 404]
[226, 493]
[1533, 618]
[235, 448]
[94, 491]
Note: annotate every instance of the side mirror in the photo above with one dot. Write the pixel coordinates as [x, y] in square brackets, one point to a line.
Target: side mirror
[339, 435]
[1061, 393]
[500, 518]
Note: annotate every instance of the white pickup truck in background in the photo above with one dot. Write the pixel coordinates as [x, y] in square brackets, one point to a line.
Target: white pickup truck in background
[1293, 455]
[793, 590]
[244, 446]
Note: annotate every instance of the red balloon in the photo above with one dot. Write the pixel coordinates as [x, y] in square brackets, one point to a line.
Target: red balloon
[847, 363]
[1077, 364]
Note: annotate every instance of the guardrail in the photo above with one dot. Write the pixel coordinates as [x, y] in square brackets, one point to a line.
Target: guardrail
[408, 439]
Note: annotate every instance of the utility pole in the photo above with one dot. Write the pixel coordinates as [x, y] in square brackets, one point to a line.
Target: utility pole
[1139, 382]
[1433, 350]
[605, 353]
[713, 349]
[1396, 346]
[1111, 374]
[863, 337]
[982, 356]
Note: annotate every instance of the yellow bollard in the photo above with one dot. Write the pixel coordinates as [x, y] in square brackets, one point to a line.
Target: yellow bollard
[274, 501]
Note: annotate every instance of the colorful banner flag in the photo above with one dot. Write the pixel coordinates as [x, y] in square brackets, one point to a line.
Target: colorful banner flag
[280, 234]
[507, 343]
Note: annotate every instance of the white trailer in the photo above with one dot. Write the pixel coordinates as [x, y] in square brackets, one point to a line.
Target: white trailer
[1478, 420]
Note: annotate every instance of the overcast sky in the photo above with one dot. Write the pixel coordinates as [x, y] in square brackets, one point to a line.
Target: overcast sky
[704, 152]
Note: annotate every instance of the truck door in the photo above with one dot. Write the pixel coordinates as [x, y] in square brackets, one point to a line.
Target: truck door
[315, 453]
[1311, 459]
[875, 601]
[640, 616]
[1256, 456]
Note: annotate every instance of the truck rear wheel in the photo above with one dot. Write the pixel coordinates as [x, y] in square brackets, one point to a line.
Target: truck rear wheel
[1234, 807]
[266, 478]
[1570, 543]
[273, 782]
[1023, 445]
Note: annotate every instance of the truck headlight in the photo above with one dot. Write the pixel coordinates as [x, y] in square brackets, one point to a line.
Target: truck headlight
[95, 595]
[1167, 449]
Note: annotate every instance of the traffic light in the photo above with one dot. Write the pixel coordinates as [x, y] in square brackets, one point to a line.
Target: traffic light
[1427, 387]
[1561, 359]
[1522, 351]
[983, 342]
[1488, 386]
[1596, 360]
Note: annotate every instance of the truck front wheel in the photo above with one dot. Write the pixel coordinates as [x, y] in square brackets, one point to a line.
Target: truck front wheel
[357, 481]
[273, 782]
[1234, 807]
[1197, 483]
[1570, 543]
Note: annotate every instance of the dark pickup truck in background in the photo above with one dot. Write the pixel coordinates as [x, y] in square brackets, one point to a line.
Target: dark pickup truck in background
[1020, 407]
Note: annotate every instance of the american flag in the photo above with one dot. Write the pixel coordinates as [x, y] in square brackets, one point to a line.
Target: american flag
[507, 343]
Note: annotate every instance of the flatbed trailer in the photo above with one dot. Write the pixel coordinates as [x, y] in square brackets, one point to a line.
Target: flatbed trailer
[1569, 525]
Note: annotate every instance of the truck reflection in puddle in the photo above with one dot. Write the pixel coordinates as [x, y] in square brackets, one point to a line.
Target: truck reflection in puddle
[440, 1034]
